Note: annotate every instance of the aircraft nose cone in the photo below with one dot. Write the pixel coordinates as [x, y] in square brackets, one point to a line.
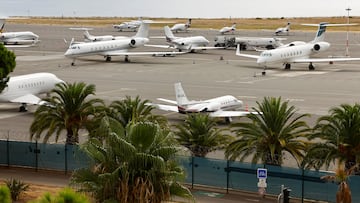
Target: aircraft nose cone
[67, 53]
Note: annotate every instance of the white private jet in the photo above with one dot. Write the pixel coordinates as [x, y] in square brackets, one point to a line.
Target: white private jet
[94, 38]
[283, 30]
[24, 88]
[187, 44]
[116, 47]
[17, 39]
[228, 29]
[224, 106]
[298, 52]
[181, 26]
[132, 25]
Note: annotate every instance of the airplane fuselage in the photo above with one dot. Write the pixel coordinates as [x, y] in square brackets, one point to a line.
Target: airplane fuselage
[227, 102]
[34, 84]
[188, 42]
[289, 54]
[26, 37]
[104, 47]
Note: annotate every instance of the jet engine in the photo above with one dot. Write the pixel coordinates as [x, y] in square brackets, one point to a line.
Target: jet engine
[320, 46]
[136, 42]
[211, 107]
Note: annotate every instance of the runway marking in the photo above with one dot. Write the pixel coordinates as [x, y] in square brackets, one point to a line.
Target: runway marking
[295, 100]
[117, 90]
[248, 97]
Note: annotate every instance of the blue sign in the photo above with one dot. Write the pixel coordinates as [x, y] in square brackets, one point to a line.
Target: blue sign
[262, 173]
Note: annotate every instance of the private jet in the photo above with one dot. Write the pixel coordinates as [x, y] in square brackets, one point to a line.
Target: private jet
[116, 47]
[181, 26]
[187, 44]
[17, 39]
[24, 88]
[131, 26]
[228, 29]
[94, 38]
[224, 106]
[298, 52]
[283, 30]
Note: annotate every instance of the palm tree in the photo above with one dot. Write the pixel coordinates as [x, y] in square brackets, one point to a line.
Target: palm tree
[68, 109]
[274, 129]
[133, 110]
[340, 134]
[341, 176]
[199, 134]
[132, 165]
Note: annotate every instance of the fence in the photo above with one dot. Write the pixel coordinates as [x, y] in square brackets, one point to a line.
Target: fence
[203, 171]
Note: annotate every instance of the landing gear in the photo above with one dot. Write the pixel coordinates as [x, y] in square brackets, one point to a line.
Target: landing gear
[127, 59]
[228, 120]
[263, 73]
[23, 108]
[107, 58]
[287, 66]
[311, 66]
[73, 62]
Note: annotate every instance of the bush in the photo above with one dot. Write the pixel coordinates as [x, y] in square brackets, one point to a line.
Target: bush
[5, 194]
[66, 195]
[16, 188]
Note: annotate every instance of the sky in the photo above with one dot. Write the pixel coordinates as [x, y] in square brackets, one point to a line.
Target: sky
[180, 8]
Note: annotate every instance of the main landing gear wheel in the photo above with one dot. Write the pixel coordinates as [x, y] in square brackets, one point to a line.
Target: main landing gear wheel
[108, 58]
[23, 108]
[287, 66]
[127, 59]
[311, 66]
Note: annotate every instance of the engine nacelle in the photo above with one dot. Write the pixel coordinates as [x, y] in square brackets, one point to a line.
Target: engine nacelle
[136, 42]
[211, 107]
[320, 46]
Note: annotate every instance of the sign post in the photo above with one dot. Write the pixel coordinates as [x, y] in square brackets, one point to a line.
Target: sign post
[262, 176]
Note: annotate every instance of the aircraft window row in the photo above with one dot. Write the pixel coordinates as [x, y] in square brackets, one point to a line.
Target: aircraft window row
[266, 54]
[104, 47]
[228, 102]
[295, 53]
[75, 47]
[35, 84]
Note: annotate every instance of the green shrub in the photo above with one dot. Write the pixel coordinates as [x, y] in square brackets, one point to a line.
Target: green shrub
[5, 194]
[66, 195]
[16, 188]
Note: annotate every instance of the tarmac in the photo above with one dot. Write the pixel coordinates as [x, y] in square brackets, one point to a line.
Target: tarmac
[203, 75]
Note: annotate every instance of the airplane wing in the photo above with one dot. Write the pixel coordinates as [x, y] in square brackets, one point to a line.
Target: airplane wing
[245, 55]
[158, 46]
[28, 99]
[221, 113]
[164, 107]
[205, 48]
[125, 53]
[167, 100]
[321, 60]
[19, 46]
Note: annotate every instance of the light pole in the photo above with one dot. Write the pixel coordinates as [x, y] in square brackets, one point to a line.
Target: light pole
[347, 33]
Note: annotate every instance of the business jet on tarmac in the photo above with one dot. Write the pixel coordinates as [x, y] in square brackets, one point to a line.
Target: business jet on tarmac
[224, 106]
[228, 29]
[94, 38]
[117, 47]
[298, 52]
[187, 44]
[181, 26]
[283, 30]
[24, 88]
[132, 25]
[17, 39]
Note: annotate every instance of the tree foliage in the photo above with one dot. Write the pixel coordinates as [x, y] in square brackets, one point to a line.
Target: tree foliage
[7, 65]
[68, 109]
[132, 164]
[273, 130]
[200, 135]
[340, 134]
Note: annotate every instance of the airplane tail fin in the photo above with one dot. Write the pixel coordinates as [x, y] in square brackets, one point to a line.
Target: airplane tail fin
[143, 31]
[188, 24]
[168, 34]
[181, 98]
[233, 26]
[288, 26]
[320, 34]
[87, 35]
[2, 24]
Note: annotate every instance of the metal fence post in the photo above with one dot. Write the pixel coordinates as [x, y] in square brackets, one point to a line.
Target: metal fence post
[192, 172]
[227, 176]
[66, 161]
